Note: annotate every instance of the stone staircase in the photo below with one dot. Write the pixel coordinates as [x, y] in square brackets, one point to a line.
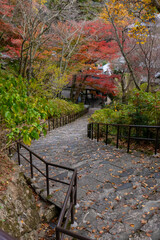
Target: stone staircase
[118, 193]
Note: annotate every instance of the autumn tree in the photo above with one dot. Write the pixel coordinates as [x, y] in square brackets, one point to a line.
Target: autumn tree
[10, 40]
[52, 66]
[35, 23]
[97, 81]
[148, 6]
[79, 45]
[133, 20]
[145, 57]
[32, 21]
[98, 45]
[121, 20]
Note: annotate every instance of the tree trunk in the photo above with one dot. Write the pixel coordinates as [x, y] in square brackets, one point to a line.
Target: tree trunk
[30, 63]
[123, 89]
[79, 89]
[21, 59]
[148, 82]
[73, 87]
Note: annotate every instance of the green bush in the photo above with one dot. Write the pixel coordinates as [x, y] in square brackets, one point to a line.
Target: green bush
[24, 115]
[58, 107]
[142, 109]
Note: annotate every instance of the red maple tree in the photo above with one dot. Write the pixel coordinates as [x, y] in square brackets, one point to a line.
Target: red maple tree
[10, 39]
[98, 45]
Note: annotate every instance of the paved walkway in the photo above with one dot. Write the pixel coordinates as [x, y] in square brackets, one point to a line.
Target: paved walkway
[118, 193]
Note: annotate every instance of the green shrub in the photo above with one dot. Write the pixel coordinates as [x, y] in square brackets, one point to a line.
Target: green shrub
[142, 109]
[24, 115]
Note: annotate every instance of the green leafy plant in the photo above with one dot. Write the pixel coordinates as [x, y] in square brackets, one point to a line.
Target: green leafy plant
[24, 115]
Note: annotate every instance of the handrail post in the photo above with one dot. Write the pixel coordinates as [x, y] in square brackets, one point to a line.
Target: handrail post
[75, 185]
[92, 131]
[89, 130]
[129, 135]
[117, 136]
[57, 234]
[31, 166]
[156, 141]
[19, 159]
[106, 134]
[97, 132]
[72, 209]
[47, 179]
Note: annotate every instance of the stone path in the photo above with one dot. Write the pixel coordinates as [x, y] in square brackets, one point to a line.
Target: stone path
[118, 193]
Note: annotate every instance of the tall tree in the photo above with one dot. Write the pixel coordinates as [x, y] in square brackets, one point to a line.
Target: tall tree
[145, 58]
[118, 16]
[33, 21]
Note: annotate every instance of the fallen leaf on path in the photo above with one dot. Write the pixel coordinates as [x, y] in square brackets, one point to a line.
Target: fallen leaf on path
[132, 225]
[143, 221]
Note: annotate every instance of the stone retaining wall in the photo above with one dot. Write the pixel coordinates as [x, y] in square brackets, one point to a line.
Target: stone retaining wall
[19, 214]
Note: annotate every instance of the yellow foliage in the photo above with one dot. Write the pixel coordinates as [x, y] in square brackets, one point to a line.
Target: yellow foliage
[132, 14]
[41, 2]
[49, 81]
